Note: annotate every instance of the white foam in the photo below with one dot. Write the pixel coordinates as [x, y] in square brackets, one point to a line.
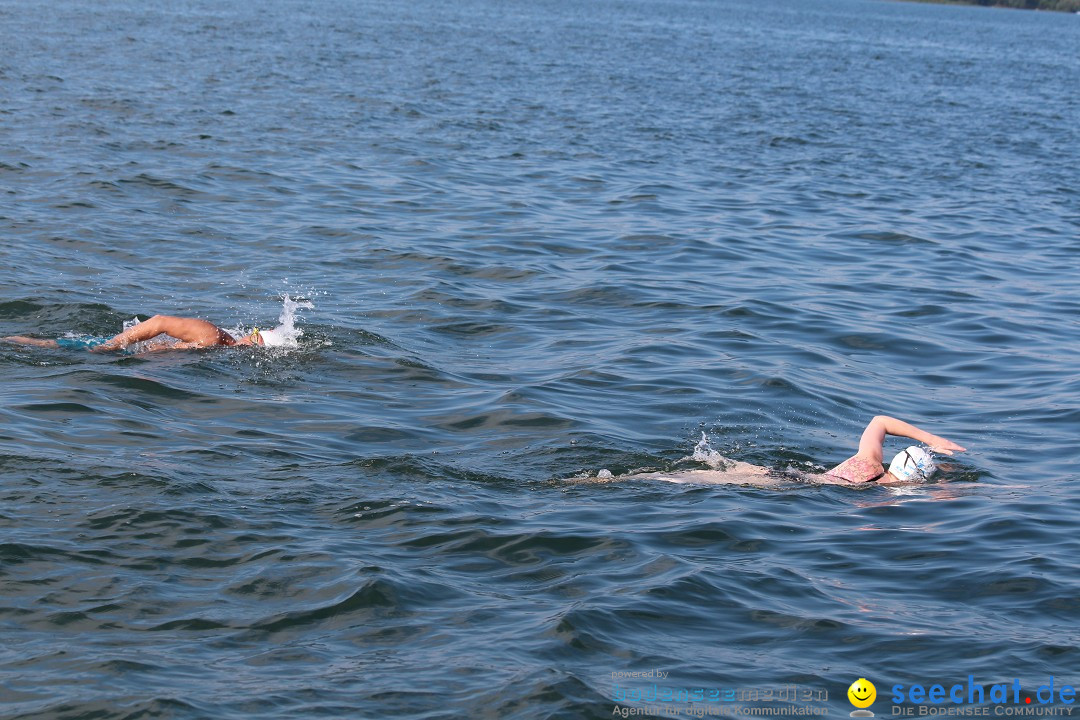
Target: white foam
[703, 452]
[286, 334]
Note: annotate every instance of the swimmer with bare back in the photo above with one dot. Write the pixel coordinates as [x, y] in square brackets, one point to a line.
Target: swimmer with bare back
[191, 333]
[863, 467]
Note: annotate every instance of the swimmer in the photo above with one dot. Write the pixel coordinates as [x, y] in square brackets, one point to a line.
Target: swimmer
[865, 466]
[190, 333]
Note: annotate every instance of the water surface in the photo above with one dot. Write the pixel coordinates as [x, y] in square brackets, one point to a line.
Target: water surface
[541, 240]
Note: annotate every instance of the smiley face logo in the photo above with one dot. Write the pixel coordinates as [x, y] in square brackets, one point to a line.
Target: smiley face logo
[862, 693]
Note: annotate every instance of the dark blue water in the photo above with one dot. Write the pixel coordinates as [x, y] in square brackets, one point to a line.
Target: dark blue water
[541, 240]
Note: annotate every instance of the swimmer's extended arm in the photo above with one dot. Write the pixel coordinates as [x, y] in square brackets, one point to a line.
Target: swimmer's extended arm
[873, 437]
[22, 340]
[194, 332]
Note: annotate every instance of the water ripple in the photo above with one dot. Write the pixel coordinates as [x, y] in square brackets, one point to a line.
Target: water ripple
[540, 244]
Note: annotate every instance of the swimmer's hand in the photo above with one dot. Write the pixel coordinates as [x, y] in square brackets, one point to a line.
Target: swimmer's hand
[942, 446]
[870, 444]
[108, 346]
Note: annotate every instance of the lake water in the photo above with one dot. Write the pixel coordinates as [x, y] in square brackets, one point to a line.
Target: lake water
[540, 240]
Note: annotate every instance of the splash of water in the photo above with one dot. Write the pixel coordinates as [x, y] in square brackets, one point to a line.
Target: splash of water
[703, 452]
[287, 334]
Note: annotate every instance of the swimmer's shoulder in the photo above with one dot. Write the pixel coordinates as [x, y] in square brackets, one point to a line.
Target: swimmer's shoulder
[858, 468]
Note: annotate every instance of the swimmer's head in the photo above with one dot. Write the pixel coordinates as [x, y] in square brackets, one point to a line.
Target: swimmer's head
[272, 338]
[255, 338]
[912, 464]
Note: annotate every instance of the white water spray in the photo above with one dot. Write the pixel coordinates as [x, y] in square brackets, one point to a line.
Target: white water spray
[703, 452]
[287, 334]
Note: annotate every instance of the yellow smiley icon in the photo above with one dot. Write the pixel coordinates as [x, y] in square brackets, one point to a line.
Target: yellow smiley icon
[862, 693]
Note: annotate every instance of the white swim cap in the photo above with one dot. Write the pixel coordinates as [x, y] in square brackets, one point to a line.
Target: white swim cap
[912, 464]
[272, 338]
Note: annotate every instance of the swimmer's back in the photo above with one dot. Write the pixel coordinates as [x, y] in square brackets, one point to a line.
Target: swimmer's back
[712, 477]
